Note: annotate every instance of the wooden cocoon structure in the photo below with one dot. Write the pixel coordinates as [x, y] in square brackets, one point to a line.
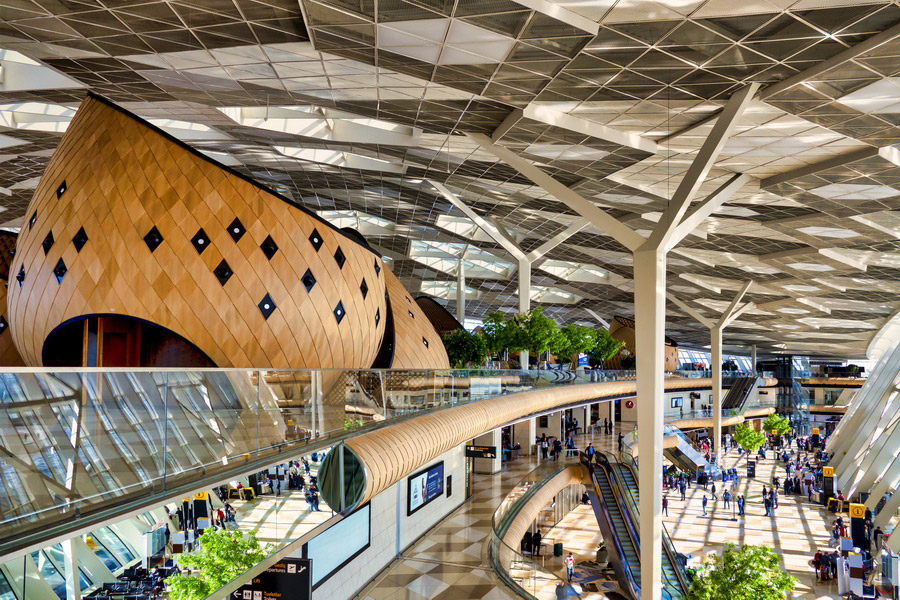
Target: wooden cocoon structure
[388, 455]
[531, 510]
[417, 344]
[128, 221]
[9, 355]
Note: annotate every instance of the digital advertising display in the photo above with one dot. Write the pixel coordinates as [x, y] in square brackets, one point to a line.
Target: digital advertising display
[424, 486]
[338, 545]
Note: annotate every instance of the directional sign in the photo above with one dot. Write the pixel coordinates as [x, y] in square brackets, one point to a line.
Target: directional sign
[481, 451]
[288, 579]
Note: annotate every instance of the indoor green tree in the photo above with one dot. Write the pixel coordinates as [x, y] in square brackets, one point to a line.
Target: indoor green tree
[496, 333]
[538, 331]
[605, 346]
[223, 555]
[571, 340]
[780, 425]
[748, 438]
[742, 573]
[465, 348]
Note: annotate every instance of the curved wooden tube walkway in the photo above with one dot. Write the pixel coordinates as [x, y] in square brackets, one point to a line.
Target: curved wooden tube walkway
[388, 455]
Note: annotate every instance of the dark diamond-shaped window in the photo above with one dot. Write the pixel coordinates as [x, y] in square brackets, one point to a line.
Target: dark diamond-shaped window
[315, 239]
[200, 241]
[339, 258]
[424, 341]
[266, 306]
[80, 239]
[309, 281]
[339, 311]
[32, 220]
[48, 242]
[61, 189]
[3, 324]
[20, 276]
[153, 239]
[411, 315]
[364, 288]
[377, 316]
[269, 247]
[377, 267]
[236, 230]
[223, 272]
[408, 300]
[60, 271]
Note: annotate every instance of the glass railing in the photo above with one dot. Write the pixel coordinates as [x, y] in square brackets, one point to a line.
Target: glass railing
[97, 441]
[525, 575]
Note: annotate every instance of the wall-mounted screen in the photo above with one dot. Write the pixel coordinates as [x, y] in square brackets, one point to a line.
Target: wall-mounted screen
[424, 486]
[338, 545]
[677, 402]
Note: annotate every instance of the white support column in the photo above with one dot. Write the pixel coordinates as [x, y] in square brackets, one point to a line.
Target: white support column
[461, 292]
[753, 359]
[888, 511]
[649, 317]
[715, 343]
[524, 299]
[524, 433]
[70, 565]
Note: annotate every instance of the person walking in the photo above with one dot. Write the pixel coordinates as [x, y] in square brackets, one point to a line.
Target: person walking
[713, 491]
[665, 504]
[727, 498]
[740, 504]
[705, 500]
[590, 452]
[682, 487]
[570, 567]
[536, 543]
[605, 425]
[621, 442]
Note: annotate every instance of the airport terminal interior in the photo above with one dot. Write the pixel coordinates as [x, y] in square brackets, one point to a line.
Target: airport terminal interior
[449, 299]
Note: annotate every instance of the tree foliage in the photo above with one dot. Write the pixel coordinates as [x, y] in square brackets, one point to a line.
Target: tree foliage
[748, 438]
[742, 573]
[629, 363]
[223, 555]
[605, 346]
[779, 424]
[537, 331]
[465, 348]
[573, 339]
[496, 331]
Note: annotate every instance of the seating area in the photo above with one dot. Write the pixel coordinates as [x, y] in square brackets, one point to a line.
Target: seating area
[136, 583]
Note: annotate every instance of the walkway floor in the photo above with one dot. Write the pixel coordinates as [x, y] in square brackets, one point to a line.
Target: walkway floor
[797, 530]
[448, 562]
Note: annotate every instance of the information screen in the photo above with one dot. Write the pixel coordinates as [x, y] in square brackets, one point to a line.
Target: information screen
[424, 486]
[338, 545]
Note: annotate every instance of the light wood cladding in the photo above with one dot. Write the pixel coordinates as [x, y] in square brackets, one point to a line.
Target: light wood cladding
[531, 510]
[9, 355]
[124, 177]
[412, 329]
[623, 330]
[390, 454]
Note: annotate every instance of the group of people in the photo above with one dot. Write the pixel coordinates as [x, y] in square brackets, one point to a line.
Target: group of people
[531, 542]
[551, 447]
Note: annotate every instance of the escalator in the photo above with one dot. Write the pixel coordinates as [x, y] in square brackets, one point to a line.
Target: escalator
[684, 456]
[738, 393]
[615, 505]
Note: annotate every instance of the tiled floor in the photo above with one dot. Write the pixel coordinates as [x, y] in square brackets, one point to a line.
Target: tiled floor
[797, 530]
[450, 561]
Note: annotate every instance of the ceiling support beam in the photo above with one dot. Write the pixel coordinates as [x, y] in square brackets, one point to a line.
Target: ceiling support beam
[701, 165]
[706, 207]
[715, 344]
[600, 319]
[649, 256]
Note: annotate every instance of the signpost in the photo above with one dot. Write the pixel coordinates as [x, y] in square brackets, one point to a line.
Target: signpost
[288, 579]
[751, 469]
[481, 451]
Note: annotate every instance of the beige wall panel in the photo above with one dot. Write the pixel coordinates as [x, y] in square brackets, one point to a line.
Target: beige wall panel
[123, 177]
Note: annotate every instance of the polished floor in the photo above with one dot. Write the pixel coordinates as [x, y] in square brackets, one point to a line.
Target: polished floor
[797, 530]
[450, 561]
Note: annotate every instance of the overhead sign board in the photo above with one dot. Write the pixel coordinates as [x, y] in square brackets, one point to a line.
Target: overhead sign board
[481, 451]
[288, 579]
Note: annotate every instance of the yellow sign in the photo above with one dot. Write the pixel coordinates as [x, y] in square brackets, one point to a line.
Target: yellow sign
[774, 432]
[828, 471]
[857, 511]
[201, 496]
[815, 431]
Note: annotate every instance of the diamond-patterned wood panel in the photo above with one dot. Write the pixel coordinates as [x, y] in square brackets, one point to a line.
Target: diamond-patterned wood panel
[416, 343]
[124, 178]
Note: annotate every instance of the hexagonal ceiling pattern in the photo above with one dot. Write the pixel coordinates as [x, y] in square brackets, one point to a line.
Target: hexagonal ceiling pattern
[354, 107]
